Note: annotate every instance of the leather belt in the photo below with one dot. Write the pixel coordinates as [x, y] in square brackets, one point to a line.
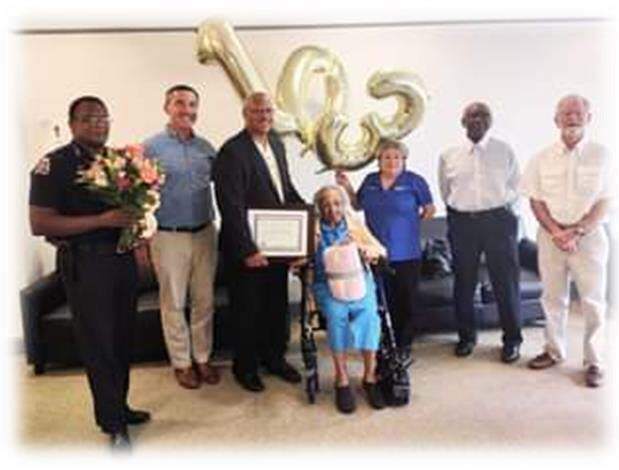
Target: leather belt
[474, 214]
[195, 229]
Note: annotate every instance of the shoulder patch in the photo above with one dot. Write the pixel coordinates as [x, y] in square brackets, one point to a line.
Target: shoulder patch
[42, 167]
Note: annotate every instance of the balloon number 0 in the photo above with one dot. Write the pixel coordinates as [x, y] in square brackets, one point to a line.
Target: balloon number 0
[324, 132]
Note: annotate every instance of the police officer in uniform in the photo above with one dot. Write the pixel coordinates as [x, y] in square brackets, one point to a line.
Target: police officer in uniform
[101, 285]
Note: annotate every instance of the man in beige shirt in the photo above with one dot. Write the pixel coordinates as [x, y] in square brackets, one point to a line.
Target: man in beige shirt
[569, 189]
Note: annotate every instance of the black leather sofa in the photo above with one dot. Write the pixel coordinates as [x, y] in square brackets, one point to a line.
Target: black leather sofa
[48, 332]
[49, 340]
[435, 295]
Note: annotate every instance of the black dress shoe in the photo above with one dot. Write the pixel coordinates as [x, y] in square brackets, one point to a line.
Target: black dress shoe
[119, 441]
[464, 348]
[136, 416]
[285, 371]
[250, 381]
[510, 353]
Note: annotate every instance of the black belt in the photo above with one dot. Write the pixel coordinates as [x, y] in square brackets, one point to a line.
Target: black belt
[197, 228]
[474, 214]
[69, 252]
[96, 248]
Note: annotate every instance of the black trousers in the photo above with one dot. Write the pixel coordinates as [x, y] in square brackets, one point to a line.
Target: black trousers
[493, 233]
[401, 290]
[102, 293]
[259, 301]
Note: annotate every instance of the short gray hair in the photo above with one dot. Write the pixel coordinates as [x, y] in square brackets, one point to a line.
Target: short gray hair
[570, 97]
[255, 97]
[387, 144]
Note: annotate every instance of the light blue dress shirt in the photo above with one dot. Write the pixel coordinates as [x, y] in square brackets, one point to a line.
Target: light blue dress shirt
[186, 196]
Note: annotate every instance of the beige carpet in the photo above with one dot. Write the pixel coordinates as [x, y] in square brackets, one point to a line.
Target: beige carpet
[476, 402]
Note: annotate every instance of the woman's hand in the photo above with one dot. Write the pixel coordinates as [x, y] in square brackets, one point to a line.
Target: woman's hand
[346, 241]
[428, 211]
[368, 255]
[342, 179]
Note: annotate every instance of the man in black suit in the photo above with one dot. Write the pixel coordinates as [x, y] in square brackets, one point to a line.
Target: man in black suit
[250, 172]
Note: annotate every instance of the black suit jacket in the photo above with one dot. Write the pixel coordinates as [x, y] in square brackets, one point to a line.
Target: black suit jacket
[242, 181]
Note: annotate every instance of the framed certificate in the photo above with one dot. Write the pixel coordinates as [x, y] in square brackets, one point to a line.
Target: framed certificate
[283, 232]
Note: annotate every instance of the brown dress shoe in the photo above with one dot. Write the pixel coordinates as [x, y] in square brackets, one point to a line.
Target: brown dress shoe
[208, 373]
[594, 377]
[187, 378]
[542, 361]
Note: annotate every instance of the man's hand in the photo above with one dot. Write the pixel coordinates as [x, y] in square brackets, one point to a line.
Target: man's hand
[296, 264]
[257, 260]
[566, 239]
[117, 218]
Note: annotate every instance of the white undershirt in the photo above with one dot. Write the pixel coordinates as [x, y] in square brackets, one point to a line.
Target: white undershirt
[269, 159]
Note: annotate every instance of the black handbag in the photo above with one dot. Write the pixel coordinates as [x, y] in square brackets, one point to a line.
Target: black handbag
[436, 259]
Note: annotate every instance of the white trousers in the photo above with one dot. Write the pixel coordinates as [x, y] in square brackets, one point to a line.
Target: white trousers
[587, 268]
[186, 261]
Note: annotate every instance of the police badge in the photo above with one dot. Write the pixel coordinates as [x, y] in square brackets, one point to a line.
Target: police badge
[42, 167]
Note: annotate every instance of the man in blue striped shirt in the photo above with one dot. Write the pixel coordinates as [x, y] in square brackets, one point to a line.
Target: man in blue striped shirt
[184, 248]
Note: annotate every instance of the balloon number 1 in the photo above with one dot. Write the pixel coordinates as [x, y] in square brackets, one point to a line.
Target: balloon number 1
[322, 133]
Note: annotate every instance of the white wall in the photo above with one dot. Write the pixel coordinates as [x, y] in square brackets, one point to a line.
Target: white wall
[520, 69]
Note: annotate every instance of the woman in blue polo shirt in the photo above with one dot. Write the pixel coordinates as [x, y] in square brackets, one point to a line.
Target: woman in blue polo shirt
[394, 200]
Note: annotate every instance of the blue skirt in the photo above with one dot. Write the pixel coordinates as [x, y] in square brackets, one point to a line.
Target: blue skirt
[350, 325]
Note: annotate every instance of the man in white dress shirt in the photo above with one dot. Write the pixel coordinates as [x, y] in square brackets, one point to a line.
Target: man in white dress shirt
[478, 183]
[569, 186]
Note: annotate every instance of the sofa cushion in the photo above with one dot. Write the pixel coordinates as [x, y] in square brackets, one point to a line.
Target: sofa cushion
[439, 292]
[530, 287]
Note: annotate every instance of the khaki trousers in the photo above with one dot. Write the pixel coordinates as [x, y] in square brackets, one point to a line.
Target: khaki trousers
[186, 263]
[587, 267]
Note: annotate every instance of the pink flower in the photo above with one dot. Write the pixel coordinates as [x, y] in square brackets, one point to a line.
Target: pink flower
[148, 173]
[122, 182]
[135, 151]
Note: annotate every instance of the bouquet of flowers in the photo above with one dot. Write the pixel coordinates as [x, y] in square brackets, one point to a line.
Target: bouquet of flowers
[124, 178]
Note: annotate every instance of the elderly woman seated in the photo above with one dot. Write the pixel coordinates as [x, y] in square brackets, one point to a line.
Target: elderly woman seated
[345, 292]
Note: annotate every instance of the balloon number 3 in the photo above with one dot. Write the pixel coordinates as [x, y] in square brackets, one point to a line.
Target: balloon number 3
[322, 133]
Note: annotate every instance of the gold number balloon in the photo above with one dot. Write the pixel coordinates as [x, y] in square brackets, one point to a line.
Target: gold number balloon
[217, 42]
[322, 131]
[331, 146]
[407, 88]
[293, 88]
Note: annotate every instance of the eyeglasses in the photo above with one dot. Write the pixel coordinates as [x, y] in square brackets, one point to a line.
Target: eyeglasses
[266, 111]
[95, 120]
